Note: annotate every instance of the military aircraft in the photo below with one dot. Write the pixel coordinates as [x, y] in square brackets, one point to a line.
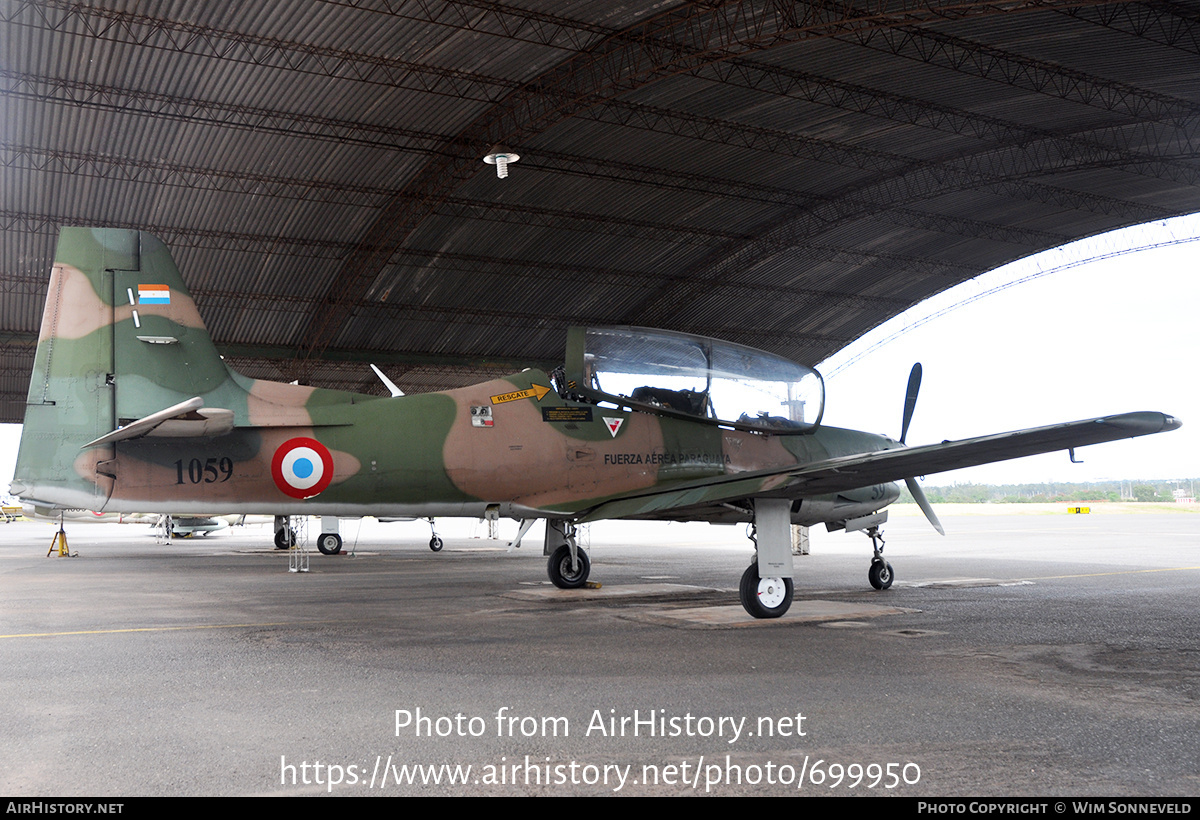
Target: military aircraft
[131, 408]
[179, 526]
[185, 526]
[59, 514]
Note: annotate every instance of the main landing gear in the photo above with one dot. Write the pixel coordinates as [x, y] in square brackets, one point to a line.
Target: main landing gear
[329, 543]
[880, 575]
[285, 539]
[568, 566]
[767, 596]
[764, 597]
[568, 571]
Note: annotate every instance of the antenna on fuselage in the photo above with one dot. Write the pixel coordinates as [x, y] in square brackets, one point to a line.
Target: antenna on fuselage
[391, 386]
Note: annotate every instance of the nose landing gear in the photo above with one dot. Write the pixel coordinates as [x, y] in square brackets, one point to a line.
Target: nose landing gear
[880, 575]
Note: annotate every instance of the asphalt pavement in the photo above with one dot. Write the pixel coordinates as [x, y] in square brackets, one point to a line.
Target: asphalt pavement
[1021, 655]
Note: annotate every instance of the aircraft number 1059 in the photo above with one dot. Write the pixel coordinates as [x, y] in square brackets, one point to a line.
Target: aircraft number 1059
[210, 471]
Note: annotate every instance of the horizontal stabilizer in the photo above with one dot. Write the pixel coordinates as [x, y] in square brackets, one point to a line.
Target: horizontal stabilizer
[188, 419]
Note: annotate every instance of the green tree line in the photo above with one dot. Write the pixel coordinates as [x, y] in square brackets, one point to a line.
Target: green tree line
[1033, 493]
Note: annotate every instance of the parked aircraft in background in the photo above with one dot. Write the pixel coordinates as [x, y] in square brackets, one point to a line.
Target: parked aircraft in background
[131, 408]
[185, 526]
[180, 526]
[36, 512]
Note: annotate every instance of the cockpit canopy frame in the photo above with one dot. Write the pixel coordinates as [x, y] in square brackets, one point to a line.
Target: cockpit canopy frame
[694, 377]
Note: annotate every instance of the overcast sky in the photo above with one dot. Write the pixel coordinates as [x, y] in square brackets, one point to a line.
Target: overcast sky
[1109, 336]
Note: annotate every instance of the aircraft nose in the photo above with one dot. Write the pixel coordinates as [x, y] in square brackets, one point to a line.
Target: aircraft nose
[891, 492]
[1171, 423]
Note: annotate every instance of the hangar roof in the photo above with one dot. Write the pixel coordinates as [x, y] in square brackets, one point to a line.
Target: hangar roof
[783, 175]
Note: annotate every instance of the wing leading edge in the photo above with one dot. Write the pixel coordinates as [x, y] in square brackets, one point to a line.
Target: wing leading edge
[864, 469]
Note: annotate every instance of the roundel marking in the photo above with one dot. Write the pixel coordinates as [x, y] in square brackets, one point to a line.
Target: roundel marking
[302, 467]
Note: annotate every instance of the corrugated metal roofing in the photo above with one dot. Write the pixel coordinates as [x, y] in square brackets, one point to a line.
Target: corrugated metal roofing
[784, 175]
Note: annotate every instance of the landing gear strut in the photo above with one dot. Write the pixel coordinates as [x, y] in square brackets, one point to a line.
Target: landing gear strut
[435, 541]
[880, 575]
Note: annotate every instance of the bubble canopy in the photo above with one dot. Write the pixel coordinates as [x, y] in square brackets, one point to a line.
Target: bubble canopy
[695, 377]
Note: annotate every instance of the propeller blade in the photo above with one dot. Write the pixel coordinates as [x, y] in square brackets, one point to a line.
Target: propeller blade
[910, 399]
[919, 496]
[910, 404]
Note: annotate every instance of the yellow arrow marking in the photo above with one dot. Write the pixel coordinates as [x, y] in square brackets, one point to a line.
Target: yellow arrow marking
[537, 391]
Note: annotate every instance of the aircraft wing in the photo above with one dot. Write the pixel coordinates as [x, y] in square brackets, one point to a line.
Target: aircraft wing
[864, 469]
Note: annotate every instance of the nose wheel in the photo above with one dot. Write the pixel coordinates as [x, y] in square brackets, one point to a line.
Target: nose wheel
[880, 575]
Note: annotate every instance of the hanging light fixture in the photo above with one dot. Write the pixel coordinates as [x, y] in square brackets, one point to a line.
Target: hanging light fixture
[501, 157]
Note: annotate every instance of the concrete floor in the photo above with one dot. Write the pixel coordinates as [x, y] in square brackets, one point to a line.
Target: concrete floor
[1021, 655]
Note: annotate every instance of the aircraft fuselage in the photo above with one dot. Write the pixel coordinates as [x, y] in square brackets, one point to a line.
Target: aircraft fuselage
[429, 455]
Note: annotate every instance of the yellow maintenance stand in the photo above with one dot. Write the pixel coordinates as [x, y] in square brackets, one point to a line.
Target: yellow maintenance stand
[59, 542]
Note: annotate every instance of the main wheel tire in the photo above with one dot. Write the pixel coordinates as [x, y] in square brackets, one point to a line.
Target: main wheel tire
[764, 597]
[880, 575]
[561, 574]
[435, 544]
[330, 543]
[285, 539]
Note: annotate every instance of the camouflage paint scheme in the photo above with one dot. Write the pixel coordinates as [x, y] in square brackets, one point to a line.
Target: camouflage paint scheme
[111, 352]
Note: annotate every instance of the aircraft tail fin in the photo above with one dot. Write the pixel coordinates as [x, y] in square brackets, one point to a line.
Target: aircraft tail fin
[121, 339]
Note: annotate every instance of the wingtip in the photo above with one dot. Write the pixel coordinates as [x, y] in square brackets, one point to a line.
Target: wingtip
[1145, 423]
